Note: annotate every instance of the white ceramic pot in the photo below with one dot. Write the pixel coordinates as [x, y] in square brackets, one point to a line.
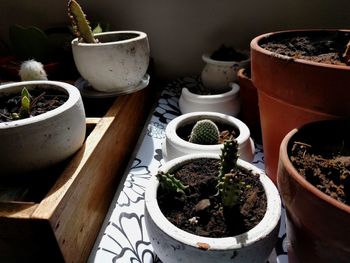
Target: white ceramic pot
[227, 102]
[216, 75]
[174, 146]
[35, 143]
[116, 64]
[173, 245]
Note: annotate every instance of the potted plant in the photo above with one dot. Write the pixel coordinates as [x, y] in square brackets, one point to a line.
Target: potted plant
[114, 61]
[296, 89]
[41, 123]
[221, 67]
[191, 235]
[217, 91]
[227, 102]
[314, 182]
[177, 135]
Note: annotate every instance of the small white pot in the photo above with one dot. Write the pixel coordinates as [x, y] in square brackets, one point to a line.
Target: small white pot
[227, 102]
[174, 146]
[173, 245]
[216, 75]
[116, 64]
[35, 143]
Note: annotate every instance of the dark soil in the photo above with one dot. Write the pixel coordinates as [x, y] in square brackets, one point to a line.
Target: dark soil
[225, 53]
[329, 172]
[322, 47]
[41, 101]
[226, 131]
[201, 176]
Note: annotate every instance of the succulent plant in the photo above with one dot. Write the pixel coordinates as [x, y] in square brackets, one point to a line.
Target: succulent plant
[170, 184]
[32, 70]
[29, 43]
[81, 25]
[24, 111]
[229, 181]
[205, 132]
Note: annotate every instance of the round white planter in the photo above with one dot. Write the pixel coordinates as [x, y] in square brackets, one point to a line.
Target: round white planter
[35, 143]
[174, 146]
[116, 64]
[174, 245]
[227, 102]
[216, 75]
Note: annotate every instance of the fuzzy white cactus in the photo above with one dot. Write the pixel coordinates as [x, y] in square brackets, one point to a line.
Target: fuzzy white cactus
[32, 70]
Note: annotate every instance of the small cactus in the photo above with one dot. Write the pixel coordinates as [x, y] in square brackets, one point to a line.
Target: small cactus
[229, 181]
[205, 132]
[80, 24]
[32, 70]
[168, 182]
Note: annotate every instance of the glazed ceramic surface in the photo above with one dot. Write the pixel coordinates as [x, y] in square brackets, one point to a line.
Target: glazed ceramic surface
[227, 102]
[174, 245]
[34, 143]
[216, 75]
[116, 64]
[174, 146]
[293, 92]
[317, 224]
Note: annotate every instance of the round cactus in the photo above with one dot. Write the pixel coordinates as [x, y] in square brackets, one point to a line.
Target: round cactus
[205, 132]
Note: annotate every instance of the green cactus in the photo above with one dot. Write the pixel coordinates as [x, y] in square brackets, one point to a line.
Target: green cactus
[205, 132]
[80, 24]
[229, 181]
[170, 184]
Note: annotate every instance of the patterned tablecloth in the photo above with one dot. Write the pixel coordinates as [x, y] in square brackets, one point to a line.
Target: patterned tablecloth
[123, 236]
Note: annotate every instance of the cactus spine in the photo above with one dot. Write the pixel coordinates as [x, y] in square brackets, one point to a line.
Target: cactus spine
[229, 181]
[80, 24]
[169, 183]
[205, 132]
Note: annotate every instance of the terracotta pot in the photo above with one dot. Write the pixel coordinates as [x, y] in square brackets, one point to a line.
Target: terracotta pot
[249, 103]
[317, 225]
[294, 91]
[173, 244]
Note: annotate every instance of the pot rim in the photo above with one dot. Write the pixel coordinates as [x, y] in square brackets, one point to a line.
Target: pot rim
[72, 92]
[232, 92]
[284, 158]
[270, 220]
[191, 117]
[254, 45]
[206, 58]
[139, 35]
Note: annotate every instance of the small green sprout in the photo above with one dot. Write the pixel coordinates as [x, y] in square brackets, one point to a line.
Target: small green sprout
[24, 111]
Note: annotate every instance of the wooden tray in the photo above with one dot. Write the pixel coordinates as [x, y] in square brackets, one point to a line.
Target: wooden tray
[61, 223]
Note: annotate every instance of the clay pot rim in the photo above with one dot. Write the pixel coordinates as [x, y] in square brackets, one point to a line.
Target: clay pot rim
[284, 158]
[139, 35]
[254, 45]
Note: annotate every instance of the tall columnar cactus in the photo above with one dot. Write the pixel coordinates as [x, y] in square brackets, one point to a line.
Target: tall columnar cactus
[205, 132]
[80, 24]
[170, 184]
[229, 180]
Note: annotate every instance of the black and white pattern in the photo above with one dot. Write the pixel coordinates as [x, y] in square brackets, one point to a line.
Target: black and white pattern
[123, 236]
